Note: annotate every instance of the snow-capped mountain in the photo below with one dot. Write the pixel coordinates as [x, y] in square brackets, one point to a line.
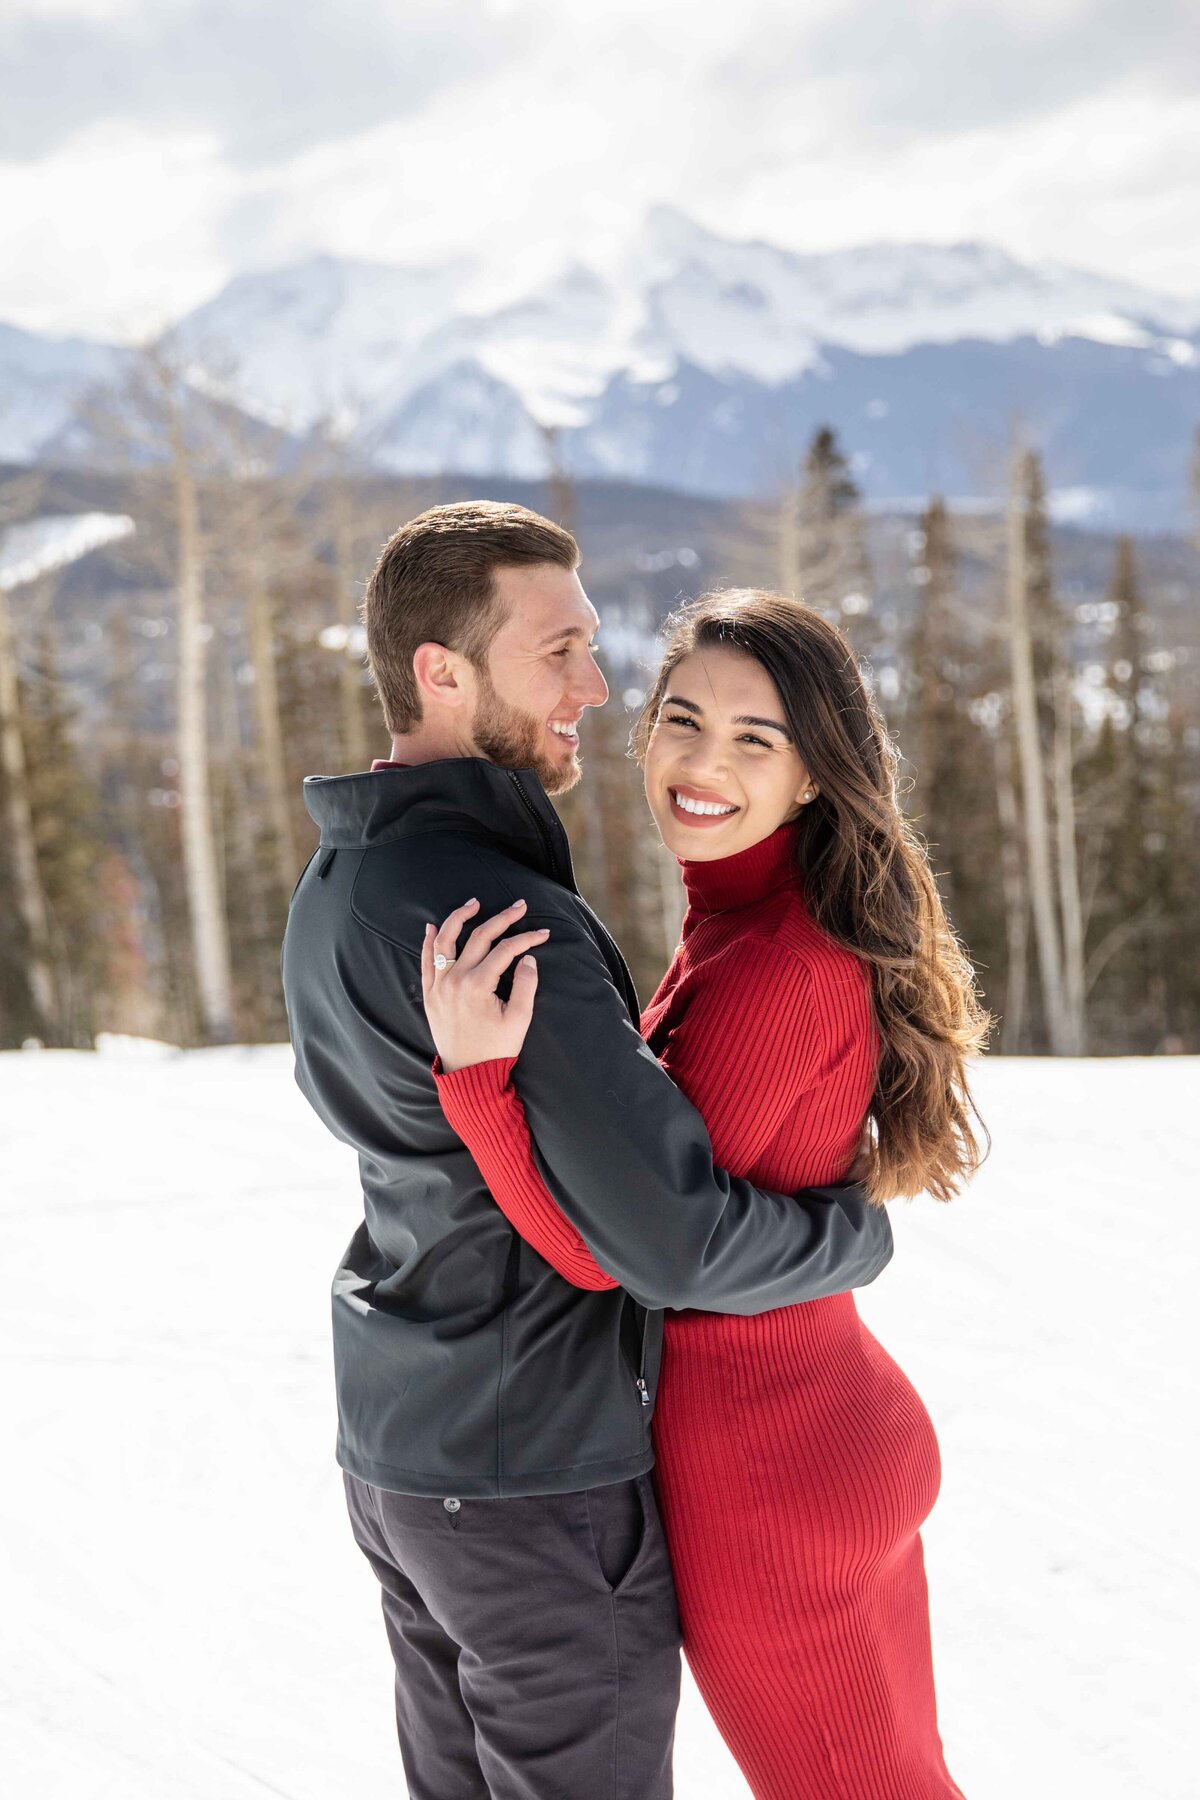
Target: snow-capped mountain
[878, 299]
[693, 360]
[328, 335]
[43, 381]
[54, 541]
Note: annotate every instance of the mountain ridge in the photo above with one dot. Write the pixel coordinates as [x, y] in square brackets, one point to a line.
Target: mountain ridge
[747, 343]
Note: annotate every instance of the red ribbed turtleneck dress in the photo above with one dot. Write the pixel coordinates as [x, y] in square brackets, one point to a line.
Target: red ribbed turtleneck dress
[795, 1462]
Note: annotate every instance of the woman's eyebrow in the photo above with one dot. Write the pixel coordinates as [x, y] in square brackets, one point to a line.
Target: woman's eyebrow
[771, 724]
[743, 719]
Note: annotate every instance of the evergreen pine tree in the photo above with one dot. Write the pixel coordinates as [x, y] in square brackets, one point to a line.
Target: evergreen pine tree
[832, 564]
[70, 848]
[952, 798]
[1130, 779]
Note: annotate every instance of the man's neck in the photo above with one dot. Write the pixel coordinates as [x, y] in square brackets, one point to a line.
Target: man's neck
[425, 746]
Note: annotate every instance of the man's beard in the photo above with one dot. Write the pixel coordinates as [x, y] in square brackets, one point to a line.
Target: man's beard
[513, 740]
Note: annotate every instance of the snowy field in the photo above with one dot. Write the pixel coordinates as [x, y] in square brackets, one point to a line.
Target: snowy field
[184, 1615]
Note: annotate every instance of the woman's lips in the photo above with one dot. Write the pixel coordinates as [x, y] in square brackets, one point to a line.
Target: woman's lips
[700, 821]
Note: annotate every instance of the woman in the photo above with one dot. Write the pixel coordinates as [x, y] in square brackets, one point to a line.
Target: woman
[817, 984]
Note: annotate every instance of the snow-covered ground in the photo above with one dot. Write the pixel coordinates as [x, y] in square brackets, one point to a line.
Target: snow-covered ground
[185, 1617]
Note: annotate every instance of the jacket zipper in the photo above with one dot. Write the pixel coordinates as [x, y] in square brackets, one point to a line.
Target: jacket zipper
[643, 1390]
[543, 832]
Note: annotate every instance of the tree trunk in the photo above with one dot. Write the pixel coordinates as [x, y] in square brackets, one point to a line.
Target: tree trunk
[354, 730]
[270, 731]
[788, 539]
[239, 835]
[210, 937]
[1033, 774]
[671, 895]
[1016, 899]
[561, 497]
[1070, 904]
[31, 900]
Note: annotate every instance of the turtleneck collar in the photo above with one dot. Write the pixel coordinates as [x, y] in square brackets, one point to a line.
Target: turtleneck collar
[734, 881]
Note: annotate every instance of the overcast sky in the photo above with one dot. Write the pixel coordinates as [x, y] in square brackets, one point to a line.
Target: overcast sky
[149, 149]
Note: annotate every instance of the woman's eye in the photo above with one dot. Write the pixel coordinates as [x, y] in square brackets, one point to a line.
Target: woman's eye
[749, 738]
[680, 719]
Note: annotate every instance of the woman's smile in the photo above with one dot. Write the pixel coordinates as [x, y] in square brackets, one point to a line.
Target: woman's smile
[699, 810]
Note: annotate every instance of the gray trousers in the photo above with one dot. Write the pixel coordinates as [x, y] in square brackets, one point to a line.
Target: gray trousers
[536, 1641]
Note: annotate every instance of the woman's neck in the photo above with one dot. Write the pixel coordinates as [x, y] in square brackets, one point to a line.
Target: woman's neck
[727, 882]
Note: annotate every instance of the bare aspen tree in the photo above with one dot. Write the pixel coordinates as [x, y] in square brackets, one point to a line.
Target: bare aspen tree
[562, 499]
[210, 935]
[1070, 905]
[1036, 821]
[261, 637]
[254, 507]
[21, 502]
[788, 540]
[243, 870]
[354, 728]
[1016, 895]
[30, 897]
[932, 701]
[672, 898]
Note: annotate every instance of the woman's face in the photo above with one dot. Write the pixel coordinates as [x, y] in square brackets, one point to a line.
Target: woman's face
[720, 744]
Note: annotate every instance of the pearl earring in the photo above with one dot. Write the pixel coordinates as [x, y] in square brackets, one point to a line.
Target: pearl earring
[808, 793]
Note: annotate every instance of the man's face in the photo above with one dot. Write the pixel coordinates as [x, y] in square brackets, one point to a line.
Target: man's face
[540, 675]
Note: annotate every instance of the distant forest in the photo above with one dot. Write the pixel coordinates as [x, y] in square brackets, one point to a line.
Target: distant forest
[163, 695]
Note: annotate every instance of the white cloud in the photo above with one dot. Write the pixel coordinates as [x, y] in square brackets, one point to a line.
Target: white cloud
[114, 233]
[1105, 184]
[758, 119]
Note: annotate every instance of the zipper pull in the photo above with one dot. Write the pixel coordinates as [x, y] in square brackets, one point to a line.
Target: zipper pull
[644, 1391]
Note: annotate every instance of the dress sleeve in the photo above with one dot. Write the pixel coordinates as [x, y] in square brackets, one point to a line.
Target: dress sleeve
[482, 1106]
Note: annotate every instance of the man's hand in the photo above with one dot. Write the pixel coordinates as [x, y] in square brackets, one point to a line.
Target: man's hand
[469, 1022]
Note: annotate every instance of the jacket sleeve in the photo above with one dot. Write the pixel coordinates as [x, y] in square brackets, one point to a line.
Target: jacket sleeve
[629, 1163]
[482, 1107]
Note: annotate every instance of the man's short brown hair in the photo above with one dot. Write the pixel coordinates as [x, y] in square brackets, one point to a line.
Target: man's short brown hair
[433, 584]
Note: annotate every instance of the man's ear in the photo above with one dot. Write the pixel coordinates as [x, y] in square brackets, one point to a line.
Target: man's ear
[439, 674]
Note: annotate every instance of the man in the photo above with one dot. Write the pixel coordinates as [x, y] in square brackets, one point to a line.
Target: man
[494, 1422]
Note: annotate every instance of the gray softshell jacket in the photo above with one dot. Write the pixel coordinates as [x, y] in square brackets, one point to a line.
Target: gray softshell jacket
[464, 1364]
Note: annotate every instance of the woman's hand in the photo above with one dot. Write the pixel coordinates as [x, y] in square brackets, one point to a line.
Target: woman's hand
[469, 1022]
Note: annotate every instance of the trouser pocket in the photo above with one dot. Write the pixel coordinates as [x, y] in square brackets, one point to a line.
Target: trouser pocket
[617, 1520]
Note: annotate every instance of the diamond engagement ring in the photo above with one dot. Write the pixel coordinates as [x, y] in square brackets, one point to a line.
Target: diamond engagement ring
[443, 962]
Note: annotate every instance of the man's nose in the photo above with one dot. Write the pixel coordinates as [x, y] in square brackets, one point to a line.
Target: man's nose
[593, 690]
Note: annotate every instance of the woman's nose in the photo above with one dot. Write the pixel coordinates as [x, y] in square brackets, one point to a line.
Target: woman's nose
[706, 764]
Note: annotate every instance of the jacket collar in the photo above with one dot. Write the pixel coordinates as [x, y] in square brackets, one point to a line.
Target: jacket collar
[508, 807]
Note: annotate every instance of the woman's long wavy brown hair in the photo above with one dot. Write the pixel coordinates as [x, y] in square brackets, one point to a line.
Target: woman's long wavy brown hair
[866, 881]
